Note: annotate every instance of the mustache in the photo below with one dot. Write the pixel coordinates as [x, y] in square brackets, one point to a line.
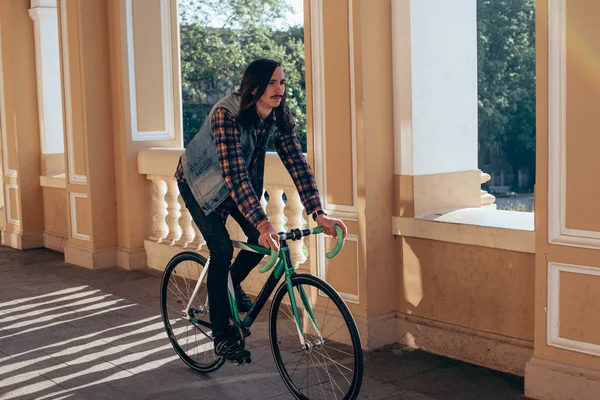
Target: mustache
[277, 96]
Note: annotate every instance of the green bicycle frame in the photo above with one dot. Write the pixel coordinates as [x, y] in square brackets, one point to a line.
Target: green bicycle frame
[283, 266]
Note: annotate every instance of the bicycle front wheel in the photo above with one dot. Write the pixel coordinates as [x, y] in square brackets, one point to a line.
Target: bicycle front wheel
[329, 365]
[188, 328]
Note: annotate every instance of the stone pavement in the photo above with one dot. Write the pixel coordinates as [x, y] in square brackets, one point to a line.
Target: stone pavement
[71, 333]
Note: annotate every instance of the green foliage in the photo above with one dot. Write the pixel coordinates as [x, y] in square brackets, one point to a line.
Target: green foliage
[506, 69]
[219, 38]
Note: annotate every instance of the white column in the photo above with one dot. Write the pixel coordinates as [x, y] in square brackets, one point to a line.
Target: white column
[47, 58]
[434, 55]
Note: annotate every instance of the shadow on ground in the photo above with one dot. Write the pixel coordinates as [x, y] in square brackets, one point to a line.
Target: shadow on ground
[71, 333]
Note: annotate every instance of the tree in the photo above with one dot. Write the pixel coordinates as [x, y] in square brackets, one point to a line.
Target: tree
[219, 38]
[506, 73]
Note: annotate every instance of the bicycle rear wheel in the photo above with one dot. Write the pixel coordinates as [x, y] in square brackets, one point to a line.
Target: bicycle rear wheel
[330, 366]
[193, 341]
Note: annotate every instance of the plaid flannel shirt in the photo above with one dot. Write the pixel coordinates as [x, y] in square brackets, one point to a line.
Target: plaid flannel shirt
[236, 175]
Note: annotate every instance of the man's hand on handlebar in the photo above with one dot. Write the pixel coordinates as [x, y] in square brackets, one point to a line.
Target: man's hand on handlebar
[268, 237]
[329, 224]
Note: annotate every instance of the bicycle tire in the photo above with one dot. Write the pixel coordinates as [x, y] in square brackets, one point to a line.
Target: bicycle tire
[194, 261]
[277, 340]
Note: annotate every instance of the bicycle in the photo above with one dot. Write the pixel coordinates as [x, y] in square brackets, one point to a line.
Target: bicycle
[303, 317]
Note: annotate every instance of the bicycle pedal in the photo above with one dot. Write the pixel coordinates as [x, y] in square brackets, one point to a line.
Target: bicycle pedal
[239, 363]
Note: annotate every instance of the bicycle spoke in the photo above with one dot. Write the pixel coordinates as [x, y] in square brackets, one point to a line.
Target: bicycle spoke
[339, 351]
[331, 378]
[327, 354]
[192, 341]
[319, 379]
[337, 365]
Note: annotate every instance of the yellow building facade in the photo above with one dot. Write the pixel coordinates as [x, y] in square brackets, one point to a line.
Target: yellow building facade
[91, 128]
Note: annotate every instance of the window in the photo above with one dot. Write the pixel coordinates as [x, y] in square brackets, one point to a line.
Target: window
[506, 94]
[219, 38]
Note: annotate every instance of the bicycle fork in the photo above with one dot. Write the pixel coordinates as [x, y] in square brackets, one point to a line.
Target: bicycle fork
[204, 308]
[307, 306]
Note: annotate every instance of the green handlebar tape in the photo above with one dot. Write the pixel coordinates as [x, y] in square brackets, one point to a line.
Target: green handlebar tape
[340, 243]
[269, 264]
[274, 255]
[340, 240]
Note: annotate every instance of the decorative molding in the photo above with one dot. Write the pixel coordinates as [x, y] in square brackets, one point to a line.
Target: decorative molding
[354, 208]
[129, 69]
[553, 337]
[73, 207]
[319, 126]
[12, 173]
[319, 111]
[322, 268]
[73, 177]
[318, 84]
[9, 216]
[558, 233]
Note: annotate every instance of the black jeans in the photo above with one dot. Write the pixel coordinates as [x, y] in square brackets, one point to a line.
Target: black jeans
[221, 252]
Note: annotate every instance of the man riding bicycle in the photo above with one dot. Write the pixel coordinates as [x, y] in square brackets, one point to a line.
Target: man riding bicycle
[221, 173]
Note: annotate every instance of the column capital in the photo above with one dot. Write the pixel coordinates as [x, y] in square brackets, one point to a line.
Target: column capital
[43, 3]
[43, 13]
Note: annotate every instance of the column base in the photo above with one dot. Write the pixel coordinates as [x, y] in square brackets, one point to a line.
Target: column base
[488, 350]
[55, 241]
[91, 258]
[131, 258]
[22, 241]
[376, 332]
[550, 380]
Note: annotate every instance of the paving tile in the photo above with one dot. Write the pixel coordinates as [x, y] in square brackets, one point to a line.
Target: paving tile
[23, 367]
[79, 350]
[10, 295]
[107, 315]
[85, 374]
[20, 343]
[164, 383]
[94, 391]
[25, 390]
[462, 381]
[140, 311]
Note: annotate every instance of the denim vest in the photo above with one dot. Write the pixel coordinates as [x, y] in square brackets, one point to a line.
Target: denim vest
[200, 161]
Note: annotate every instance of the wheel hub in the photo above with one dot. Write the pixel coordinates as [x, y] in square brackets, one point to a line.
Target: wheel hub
[309, 346]
[193, 312]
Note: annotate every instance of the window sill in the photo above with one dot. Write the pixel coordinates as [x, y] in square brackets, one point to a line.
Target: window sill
[55, 181]
[485, 227]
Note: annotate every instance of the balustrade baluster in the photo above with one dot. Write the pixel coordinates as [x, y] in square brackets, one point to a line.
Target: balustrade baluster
[295, 220]
[275, 209]
[174, 212]
[160, 229]
[185, 222]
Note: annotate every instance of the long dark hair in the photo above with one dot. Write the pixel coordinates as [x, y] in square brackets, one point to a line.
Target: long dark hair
[257, 76]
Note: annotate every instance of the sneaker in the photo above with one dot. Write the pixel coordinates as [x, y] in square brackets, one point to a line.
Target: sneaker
[228, 347]
[243, 301]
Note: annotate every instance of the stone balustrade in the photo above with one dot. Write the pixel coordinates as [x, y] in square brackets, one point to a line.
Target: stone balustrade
[486, 198]
[173, 229]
